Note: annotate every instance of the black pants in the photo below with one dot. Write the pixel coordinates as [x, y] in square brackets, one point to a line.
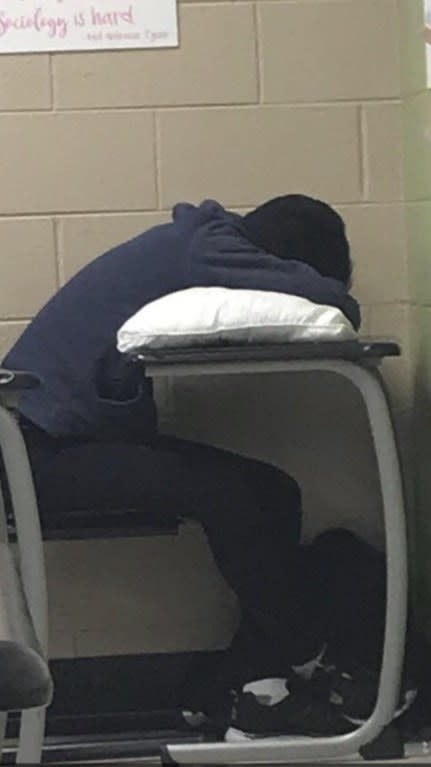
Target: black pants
[250, 511]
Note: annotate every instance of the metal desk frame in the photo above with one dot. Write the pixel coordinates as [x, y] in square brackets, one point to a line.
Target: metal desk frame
[30, 554]
[356, 362]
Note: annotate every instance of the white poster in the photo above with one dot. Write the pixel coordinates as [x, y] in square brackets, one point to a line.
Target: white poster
[79, 25]
[428, 38]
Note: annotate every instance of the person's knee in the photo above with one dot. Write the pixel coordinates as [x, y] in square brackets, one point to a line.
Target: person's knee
[275, 488]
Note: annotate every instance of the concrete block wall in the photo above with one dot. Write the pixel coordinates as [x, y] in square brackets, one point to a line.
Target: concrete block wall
[261, 98]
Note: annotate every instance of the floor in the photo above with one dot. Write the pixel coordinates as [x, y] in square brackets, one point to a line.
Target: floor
[152, 763]
[412, 759]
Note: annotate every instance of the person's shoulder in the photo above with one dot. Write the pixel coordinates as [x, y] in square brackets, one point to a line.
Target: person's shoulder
[155, 239]
[164, 230]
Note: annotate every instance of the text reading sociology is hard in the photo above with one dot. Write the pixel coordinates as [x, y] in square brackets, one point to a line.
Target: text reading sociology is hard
[57, 25]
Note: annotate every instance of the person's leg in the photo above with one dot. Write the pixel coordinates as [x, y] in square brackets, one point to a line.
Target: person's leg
[250, 512]
[253, 525]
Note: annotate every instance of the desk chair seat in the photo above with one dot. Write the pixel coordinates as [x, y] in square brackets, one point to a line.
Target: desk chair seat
[118, 523]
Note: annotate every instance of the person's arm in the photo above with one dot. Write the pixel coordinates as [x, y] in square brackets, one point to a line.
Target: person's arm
[220, 255]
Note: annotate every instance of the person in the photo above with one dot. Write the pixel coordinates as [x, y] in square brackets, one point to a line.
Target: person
[91, 426]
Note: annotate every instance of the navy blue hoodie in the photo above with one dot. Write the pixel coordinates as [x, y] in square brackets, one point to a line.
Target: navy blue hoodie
[88, 389]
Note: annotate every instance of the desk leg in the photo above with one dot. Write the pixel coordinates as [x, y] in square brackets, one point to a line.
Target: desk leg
[3, 721]
[31, 564]
[29, 535]
[3, 539]
[272, 750]
[31, 736]
[373, 393]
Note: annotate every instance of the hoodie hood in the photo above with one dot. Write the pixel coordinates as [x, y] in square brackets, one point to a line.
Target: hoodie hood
[221, 255]
[192, 217]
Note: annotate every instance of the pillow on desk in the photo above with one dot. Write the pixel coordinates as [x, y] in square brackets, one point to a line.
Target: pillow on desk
[214, 316]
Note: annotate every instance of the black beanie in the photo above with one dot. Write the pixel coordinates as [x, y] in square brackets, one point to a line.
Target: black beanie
[298, 227]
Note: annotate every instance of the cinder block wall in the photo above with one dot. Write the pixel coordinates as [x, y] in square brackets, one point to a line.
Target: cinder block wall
[261, 98]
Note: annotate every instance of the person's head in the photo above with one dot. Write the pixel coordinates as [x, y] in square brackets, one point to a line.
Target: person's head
[298, 227]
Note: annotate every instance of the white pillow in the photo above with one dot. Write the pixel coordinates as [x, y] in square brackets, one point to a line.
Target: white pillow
[207, 316]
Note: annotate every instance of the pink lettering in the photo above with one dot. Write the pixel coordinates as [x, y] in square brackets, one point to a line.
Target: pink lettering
[10, 22]
[54, 26]
[111, 18]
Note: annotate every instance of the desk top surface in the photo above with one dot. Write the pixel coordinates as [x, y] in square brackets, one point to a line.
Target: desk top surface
[361, 351]
[353, 351]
